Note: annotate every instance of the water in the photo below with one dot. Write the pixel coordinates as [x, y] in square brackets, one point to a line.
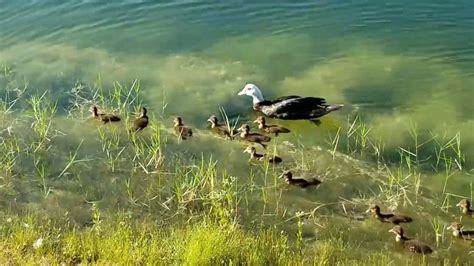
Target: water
[398, 64]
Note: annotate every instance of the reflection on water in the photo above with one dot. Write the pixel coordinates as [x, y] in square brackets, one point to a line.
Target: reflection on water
[404, 71]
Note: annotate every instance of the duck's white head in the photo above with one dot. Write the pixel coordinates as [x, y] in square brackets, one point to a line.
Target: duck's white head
[253, 91]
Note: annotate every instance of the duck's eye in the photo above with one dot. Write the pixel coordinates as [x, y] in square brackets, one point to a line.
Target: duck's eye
[248, 89]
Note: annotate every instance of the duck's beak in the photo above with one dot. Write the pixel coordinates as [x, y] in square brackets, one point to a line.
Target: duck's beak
[450, 227]
[459, 204]
[368, 210]
[242, 92]
[209, 120]
[391, 231]
[255, 121]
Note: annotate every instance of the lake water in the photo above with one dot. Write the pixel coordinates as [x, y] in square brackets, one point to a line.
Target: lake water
[396, 65]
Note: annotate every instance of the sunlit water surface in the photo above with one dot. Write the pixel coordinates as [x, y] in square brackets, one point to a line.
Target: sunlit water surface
[399, 65]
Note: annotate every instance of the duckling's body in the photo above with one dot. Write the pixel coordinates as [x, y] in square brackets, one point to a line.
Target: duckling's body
[300, 182]
[221, 130]
[465, 206]
[182, 131]
[388, 217]
[272, 129]
[104, 117]
[253, 137]
[460, 233]
[261, 157]
[412, 245]
[142, 120]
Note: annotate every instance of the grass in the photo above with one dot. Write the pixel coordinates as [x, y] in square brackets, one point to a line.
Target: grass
[74, 190]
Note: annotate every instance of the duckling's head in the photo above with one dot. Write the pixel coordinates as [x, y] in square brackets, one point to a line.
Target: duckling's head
[143, 112]
[373, 209]
[455, 226]
[260, 120]
[212, 119]
[397, 230]
[178, 121]
[244, 128]
[464, 204]
[287, 175]
[94, 110]
[250, 149]
[253, 91]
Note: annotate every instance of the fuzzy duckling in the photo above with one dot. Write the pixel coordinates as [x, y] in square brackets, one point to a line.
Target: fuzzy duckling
[300, 182]
[222, 130]
[261, 157]
[465, 206]
[104, 117]
[273, 129]
[253, 137]
[182, 131]
[412, 245]
[141, 122]
[388, 217]
[459, 232]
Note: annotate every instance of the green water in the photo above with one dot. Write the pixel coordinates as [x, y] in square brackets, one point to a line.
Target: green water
[400, 67]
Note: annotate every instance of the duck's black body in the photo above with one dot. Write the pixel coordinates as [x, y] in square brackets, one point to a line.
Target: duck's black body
[141, 122]
[295, 108]
[460, 233]
[412, 245]
[388, 217]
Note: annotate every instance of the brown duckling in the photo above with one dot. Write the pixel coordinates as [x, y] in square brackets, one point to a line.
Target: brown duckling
[412, 245]
[222, 130]
[465, 206]
[261, 157]
[104, 117]
[253, 137]
[459, 232]
[182, 131]
[274, 129]
[300, 182]
[388, 217]
[141, 122]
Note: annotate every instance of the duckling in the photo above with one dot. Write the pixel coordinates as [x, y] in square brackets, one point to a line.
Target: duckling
[275, 129]
[141, 122]
[300, 182]
[104, 117]
[182, 131]
[253, 137]
[388, 217]
[465, 205]
[260, 157]
[459, 232]
[221, 129]
[412, 245]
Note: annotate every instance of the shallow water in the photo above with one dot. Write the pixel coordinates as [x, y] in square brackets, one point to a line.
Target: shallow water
[398, 66]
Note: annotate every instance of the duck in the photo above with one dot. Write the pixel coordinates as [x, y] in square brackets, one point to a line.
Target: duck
[222, 130]
[182, 131]
[459, 232]
[260, 157]
[388, 217]
[289, 107]
[104, 117]
[252, 137]
[465, 206]
[412, 245]
[300, 182]
[273, 129]
[141, 121]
